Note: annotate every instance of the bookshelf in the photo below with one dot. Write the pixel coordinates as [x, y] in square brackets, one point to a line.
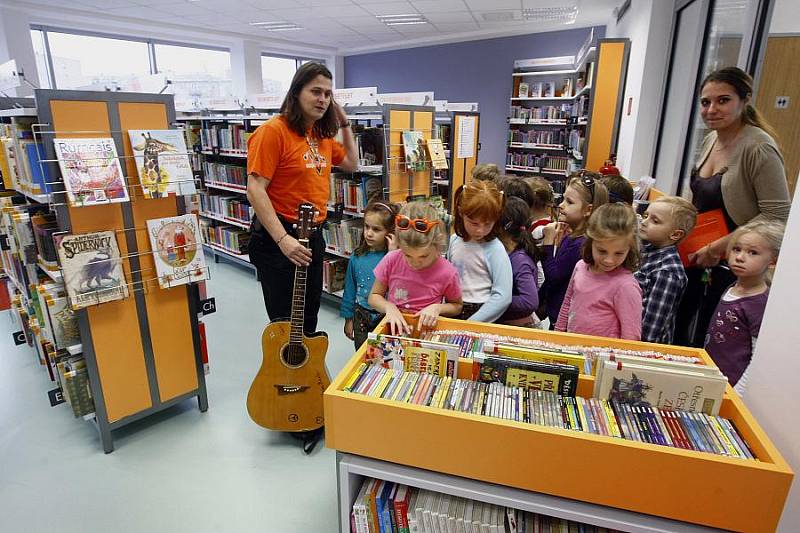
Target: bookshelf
[554, 118]
[158, 363]
[644, 485]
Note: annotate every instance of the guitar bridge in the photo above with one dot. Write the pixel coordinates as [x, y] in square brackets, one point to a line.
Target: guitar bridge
[290, 389]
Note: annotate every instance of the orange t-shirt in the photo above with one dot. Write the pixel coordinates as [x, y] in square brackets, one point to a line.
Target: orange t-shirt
[297, 174]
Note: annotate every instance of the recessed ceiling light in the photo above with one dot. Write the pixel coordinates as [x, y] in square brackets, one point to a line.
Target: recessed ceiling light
[401, 20]
[500, 16]
[565, 14]
[277, 26]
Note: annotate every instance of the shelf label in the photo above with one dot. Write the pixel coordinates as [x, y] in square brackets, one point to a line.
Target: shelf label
[208, 306]
[418, 98]
[56, 397]
[356, 96]
[266, 101]
[19, 338]
[9, 75]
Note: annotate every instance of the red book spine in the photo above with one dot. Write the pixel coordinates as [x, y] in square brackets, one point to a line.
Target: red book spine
[677, 439]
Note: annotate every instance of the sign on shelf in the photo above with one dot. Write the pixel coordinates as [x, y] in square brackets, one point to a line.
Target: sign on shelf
[419, 98]
[356, 96]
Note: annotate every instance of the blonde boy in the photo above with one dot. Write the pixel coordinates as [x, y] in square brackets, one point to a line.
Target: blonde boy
[666, 223]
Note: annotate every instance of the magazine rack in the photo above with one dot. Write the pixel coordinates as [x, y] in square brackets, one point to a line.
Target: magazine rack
[653, 481]
[143, 352]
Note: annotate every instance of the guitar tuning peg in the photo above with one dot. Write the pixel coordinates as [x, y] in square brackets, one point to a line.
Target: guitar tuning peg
[294, 226]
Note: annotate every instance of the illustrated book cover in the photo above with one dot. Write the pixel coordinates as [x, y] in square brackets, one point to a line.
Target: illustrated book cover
[414, 149]
[526, 374]
[665, 388]
[92, 268]
[176, 242]
[412, 355]
[436, 153]
[162, 162]
[91, 171]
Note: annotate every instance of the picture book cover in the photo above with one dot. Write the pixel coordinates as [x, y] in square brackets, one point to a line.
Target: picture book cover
[414, 149]
[523, 90]
[436, 153]
[642, 385]
[535, 90]
[162, 162]
[92, 268]
[557, 378]
[91, 171]
[549, 89]
[65, 326]
[176, 248]
[412, 355]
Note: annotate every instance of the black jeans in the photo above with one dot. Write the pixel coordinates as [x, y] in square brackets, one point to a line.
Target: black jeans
[277, 275]
[700, 299]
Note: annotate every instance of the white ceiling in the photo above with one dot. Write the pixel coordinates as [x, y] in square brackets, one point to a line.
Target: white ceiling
[347, 26]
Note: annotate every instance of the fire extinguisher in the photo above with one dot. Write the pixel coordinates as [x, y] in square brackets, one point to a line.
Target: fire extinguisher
[609, 167]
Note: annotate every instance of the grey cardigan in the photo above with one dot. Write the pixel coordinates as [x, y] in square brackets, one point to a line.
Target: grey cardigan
[754, 186]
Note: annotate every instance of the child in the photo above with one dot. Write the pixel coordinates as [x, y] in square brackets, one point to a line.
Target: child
[541, 205]
[661, 276]
[480, 258]
[514, 186]
[416, 278]
[485, 172]
[733, 331]
[619, 189]
[603, 297]
[521, 250]
[562, 240]
[378, 238]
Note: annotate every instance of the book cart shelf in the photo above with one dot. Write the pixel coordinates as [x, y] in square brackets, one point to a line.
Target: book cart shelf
[584, 136]
[137, 363]
[595, 479]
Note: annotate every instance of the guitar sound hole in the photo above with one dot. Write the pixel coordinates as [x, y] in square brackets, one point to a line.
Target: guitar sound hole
[294, 354]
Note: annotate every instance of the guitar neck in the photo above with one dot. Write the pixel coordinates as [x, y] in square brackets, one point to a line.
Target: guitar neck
[298, 302]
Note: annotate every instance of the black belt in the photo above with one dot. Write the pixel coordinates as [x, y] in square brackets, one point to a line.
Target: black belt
[289, 225]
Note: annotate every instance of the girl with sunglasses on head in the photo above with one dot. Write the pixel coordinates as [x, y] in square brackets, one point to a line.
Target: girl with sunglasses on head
[562, 240]
[377, 238]
[603, 298]
[480, 258]
[416, 278]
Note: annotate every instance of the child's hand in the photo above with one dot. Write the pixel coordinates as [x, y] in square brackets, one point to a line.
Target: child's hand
[549, 232]
[397, 324]
[704, 257]
[391, 241]
[562, 230]
[348, 328]
[427, 317]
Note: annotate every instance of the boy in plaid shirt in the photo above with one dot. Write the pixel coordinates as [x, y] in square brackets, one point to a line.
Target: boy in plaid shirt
[661, 276]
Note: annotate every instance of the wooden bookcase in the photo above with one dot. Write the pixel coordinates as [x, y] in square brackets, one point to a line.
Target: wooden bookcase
[644, 479]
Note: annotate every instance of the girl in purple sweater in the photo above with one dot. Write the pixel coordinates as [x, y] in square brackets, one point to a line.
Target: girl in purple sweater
[563, 239]
[522, 251]
[603, 298]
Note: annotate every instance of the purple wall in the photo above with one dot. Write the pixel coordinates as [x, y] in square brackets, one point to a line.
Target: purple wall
[471, 71]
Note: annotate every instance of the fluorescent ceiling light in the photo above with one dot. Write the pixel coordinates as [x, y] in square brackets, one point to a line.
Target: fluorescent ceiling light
[276, 26]
[401, 20]
[565, 14]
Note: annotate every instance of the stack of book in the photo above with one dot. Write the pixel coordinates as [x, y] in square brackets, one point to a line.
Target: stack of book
[220, 174]
[232, 239]
[333, 272]
[234, 207]
[551, 136]
[227, 137]
[343, 236]
[386, 507]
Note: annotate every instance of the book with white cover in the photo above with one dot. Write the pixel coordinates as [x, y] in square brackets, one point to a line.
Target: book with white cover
[92, 268]
[175, 242]
[162, 162]
[91, 171]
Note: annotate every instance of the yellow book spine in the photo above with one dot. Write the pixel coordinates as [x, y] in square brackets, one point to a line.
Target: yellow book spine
[725, 440]
[612, 420]
[400, 385]
[440, 392]
[354, 376]
[387, 377]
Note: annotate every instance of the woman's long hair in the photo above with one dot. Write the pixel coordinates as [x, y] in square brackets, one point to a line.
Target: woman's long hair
[742, 83]
[324, 128]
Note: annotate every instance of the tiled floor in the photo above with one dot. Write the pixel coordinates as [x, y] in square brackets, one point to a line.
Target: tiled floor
[180, 470]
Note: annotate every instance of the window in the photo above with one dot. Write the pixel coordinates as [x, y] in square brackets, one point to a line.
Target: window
[39, 49]
[195, 72]
[277, 74]
[84, 61]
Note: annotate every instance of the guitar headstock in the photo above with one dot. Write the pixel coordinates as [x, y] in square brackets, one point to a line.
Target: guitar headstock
[305, 219]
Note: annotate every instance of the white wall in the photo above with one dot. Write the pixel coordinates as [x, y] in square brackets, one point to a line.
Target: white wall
[772, 393]
[785, 17]
[647, 25]
[15, 43]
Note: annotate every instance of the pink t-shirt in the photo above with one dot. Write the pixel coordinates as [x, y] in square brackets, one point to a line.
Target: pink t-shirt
[605, 304]
[412, 290]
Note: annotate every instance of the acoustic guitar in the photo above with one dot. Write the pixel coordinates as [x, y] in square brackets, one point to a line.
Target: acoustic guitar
[286, 394]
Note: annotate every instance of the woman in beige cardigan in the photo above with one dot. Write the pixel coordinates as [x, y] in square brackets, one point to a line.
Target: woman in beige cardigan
[740, 170]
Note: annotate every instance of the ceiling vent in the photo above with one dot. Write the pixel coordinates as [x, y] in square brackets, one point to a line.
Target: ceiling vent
[565, 14]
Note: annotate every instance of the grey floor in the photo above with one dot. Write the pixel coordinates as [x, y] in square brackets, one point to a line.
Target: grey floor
[180, 470]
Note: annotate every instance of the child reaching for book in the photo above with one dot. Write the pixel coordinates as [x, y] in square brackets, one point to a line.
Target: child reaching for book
[376, 239]
[603, 298]
[521, 250]
[416, 278]
[733, 331]
[661, 276]
[480, 258]
[563, 239]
